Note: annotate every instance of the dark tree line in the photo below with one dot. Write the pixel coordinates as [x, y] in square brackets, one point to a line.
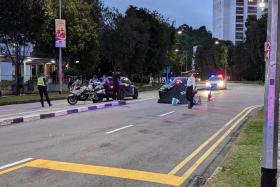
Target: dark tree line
[248, 57]
[139, 42]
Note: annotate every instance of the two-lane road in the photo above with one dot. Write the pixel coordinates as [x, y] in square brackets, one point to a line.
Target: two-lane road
[140, 144]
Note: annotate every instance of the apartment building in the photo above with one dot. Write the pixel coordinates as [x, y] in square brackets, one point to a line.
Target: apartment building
[230, 16]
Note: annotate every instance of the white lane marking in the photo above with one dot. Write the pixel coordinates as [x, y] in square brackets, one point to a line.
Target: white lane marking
[119, 129]
[15, 163]
[162, 115]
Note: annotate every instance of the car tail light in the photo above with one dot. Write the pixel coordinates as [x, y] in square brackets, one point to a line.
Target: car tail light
[178, 82]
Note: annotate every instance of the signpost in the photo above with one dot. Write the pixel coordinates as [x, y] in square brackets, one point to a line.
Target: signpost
[60, 33]
[60, 42]
[270, 138]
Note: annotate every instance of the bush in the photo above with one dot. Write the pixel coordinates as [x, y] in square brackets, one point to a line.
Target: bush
[6, 83]
[136, 78]
[71, 72]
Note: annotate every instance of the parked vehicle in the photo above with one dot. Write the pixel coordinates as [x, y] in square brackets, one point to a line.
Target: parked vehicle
[127, 89]
[84, 93]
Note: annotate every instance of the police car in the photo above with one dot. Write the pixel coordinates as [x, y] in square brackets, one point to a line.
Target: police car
[216, 82]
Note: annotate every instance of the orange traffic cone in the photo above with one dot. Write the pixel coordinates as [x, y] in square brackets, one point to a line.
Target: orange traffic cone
[209, 96]
[199, 100]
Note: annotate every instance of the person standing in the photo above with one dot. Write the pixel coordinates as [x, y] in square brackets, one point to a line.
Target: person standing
[42, 87]
[116, 84]
[191, 88]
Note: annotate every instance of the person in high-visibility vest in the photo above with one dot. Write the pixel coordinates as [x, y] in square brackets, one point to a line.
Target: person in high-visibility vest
[42, 87]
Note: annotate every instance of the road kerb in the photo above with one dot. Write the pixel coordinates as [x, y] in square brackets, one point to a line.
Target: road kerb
[52, 114]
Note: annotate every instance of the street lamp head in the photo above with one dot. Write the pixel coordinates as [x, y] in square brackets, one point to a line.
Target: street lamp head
[176, 50]
[262, 5]
[180, 32]
[217, 42]
[77, 62]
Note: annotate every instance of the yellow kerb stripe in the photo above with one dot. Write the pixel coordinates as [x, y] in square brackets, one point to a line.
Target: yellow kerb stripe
[106, 171]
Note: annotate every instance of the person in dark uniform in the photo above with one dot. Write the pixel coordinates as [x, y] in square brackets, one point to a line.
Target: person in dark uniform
[191, 87]
[42, 87]
[116, 83]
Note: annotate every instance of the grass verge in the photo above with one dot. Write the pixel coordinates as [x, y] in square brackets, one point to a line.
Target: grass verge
[243, 166]
[29, 98]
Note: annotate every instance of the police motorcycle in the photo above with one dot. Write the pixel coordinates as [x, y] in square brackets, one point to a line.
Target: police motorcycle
[94, 91]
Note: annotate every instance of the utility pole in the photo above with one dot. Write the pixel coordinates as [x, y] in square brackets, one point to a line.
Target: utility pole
[193, 59]
[270, 141]
[186, 53]
[60, 58]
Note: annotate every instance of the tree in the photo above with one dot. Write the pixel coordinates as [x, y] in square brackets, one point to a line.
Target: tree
[248, 57]
[137, 42]
[83, 19]
[17, 32]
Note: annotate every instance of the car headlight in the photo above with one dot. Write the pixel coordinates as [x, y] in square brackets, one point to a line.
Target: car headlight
[208, 84]
[221, 84]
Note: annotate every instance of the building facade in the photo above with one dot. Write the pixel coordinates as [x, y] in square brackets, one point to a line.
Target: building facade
[230, 16]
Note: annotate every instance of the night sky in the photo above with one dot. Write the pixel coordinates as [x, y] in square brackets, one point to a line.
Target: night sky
[195, 13]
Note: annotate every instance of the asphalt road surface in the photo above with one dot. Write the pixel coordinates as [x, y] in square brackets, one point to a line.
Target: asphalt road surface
[140, 144]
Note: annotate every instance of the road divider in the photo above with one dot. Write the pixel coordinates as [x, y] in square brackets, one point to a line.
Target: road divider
[52, 114]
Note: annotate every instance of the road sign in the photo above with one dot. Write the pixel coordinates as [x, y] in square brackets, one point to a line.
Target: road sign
[60, 33]
[267, 49]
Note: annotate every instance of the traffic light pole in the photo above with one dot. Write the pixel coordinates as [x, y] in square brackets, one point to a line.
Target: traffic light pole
[270, 141]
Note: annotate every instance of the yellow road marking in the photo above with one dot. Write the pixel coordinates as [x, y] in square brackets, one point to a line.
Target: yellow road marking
[188, 173]
[12, 169]
[202, 146]
[107, 171]
[168, 179]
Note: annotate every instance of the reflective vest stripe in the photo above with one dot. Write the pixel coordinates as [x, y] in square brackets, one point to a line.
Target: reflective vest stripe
[40, 81]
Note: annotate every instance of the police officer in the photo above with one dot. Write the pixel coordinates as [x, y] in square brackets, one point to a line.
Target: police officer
[42, 87]
[191, 88]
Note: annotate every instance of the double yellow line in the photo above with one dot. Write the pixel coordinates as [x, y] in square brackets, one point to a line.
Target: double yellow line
[235, 122]
[169, 179]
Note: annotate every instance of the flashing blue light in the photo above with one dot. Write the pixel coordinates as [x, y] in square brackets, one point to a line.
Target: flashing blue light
[213, 76]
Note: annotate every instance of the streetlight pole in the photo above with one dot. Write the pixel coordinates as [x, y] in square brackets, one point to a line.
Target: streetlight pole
[270, 138]
[60, 58]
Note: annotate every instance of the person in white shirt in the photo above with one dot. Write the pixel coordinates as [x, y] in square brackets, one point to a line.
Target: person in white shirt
[191, 87]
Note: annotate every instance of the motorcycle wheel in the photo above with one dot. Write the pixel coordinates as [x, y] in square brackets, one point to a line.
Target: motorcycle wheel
[72, 100]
